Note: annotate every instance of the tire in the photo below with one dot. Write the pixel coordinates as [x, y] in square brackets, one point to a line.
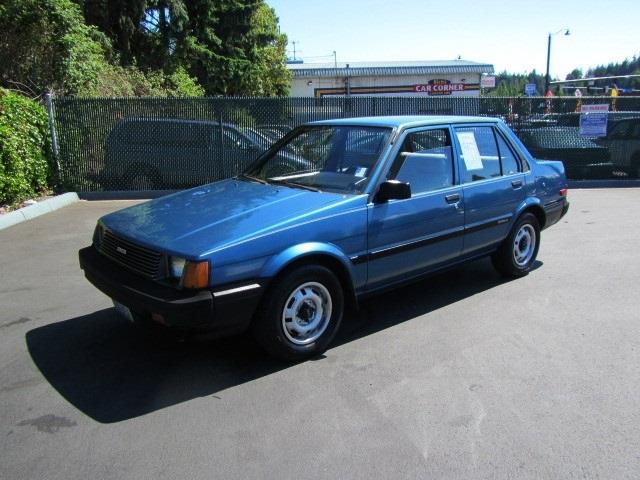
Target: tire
[143, 178]
[300, 313]
[517, 254]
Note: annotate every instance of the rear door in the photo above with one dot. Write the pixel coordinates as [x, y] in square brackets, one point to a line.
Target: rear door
[492, 182]
[409, 236]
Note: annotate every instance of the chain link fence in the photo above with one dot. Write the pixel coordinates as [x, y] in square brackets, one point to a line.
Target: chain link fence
[166, 143]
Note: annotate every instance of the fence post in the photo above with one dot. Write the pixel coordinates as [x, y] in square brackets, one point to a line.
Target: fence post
[48, 100]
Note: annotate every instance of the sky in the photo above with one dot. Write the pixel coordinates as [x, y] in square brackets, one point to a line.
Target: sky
[511, 35]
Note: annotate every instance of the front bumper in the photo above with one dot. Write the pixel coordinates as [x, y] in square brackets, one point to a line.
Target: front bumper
[223, 310]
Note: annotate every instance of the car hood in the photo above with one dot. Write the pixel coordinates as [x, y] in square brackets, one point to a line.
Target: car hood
[194, 222]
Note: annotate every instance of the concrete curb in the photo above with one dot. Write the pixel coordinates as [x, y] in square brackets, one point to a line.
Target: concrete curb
[622, 183]
[32, 211]
[125, 194]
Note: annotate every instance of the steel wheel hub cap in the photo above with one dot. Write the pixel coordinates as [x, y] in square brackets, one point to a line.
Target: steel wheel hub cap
[306, 313]
[524, 244]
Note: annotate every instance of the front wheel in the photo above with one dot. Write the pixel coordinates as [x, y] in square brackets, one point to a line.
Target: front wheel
[300, 314]
[518, 252]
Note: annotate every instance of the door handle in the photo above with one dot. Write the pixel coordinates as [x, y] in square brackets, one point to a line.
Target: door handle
[516, 183]
[452, 198]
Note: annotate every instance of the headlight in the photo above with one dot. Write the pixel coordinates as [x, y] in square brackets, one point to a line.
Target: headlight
[176, 266]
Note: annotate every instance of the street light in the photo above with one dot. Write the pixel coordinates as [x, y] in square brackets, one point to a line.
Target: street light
[546, 78]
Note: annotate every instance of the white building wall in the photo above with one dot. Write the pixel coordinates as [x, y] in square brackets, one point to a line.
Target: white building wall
[321, 86]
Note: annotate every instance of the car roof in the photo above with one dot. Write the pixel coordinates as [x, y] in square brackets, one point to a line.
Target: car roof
[175, 120]
[406, 121]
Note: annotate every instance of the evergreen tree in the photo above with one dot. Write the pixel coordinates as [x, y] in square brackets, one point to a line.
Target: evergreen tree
[233, 47]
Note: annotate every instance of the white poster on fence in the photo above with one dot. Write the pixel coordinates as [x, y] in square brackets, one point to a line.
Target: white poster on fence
[593, 120]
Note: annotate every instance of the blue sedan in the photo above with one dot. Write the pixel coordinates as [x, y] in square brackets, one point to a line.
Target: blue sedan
[335, 211]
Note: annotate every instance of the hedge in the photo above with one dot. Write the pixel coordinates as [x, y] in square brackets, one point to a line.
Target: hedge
[24, 147]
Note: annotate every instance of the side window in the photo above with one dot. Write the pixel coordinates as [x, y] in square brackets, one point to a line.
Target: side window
[507, 158]
[479, 153]
[425, 161]
[232, 139]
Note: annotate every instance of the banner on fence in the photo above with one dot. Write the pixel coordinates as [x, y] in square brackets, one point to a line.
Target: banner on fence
[593, 120]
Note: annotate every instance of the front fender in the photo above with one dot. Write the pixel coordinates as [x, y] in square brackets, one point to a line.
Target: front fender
[303, 250]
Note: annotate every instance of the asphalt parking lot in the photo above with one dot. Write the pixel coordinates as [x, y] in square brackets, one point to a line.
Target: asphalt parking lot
[463, 375]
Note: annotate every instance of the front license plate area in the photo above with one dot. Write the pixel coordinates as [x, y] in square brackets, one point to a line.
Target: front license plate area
[123, 310]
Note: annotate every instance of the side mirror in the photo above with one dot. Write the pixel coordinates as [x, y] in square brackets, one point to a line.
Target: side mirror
[393, 190]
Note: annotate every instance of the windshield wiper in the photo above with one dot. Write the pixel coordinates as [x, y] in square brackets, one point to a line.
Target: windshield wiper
[255, 179]
[295, 185]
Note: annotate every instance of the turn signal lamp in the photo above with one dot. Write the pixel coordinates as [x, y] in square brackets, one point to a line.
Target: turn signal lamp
[196, 274]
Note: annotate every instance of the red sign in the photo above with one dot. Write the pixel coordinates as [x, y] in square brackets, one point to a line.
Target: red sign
[439, 87]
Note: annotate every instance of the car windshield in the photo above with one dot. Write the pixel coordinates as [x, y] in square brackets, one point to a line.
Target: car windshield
[324, 157]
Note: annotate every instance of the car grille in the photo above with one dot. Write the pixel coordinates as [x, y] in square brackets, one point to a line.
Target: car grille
[135, 257]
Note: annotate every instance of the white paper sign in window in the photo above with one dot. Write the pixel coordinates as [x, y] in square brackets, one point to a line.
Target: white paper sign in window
[470, 152]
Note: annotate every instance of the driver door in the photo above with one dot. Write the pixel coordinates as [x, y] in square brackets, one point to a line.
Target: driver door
[407, 237]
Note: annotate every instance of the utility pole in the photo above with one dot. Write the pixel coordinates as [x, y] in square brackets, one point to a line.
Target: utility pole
[546, 77]
[335, 60]
[294, 49]
[348, 82]
[567, 32]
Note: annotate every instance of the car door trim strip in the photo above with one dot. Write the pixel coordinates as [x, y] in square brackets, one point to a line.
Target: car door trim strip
[385, 252]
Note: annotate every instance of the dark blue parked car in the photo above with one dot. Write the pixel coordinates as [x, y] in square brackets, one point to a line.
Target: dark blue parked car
[335, 211]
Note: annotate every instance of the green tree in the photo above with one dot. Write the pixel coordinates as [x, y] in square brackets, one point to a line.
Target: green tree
[24, 165]
[143, 32]
[118, 81]
[234, 47]
[574, 74]
[626, 67]
[270, 76]
[513, 84]
[45, 44]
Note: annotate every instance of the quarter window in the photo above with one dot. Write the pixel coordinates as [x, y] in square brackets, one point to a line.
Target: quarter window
[425, 161]
[507, 158]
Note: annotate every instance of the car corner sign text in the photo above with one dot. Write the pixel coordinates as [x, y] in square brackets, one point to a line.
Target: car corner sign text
[439, 87]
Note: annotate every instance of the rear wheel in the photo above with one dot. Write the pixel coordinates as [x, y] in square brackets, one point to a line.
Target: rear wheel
[300, 313]
[518, 252]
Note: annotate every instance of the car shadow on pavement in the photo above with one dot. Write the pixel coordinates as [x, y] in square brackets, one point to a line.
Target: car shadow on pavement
[114, 371]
